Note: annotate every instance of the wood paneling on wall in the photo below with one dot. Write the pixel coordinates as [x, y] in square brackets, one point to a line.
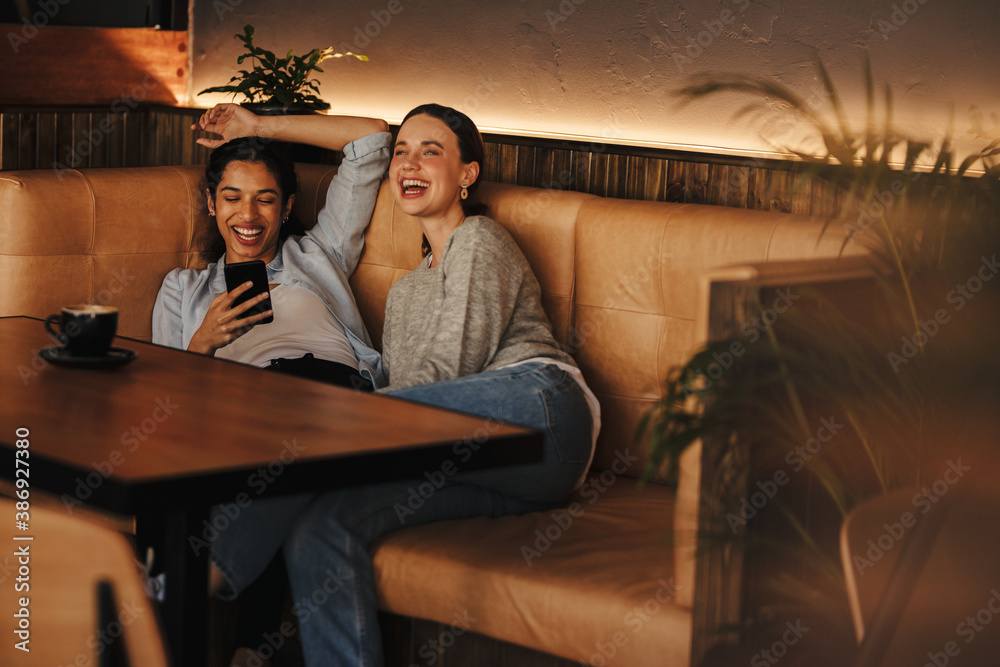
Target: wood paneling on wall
[80, 138]
[46, 138]
[646, 174]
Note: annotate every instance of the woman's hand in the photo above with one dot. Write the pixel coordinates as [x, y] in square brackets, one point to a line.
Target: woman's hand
[221, 326]
[229, 120]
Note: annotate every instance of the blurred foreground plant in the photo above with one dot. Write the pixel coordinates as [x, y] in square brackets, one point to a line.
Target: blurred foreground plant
[931, 224]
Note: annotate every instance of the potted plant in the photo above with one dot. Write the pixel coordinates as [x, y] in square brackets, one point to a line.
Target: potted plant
[894, 391]
[276, 85]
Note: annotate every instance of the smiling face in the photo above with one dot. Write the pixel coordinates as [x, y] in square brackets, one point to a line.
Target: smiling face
[249, 210]
[426, 173]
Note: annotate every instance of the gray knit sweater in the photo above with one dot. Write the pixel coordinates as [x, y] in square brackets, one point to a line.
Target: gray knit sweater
[478, 310]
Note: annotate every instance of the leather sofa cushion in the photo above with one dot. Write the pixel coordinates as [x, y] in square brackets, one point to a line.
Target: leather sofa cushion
[109, 236]
[640, 304]
[595, 576]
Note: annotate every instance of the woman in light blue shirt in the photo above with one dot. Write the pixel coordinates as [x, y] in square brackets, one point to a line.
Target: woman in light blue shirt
[250, 194]
[316, 330]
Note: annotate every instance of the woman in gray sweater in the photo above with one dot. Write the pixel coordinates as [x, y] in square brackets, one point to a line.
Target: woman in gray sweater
[464, 330]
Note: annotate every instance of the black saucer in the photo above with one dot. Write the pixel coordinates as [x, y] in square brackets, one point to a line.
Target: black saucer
[116, 356]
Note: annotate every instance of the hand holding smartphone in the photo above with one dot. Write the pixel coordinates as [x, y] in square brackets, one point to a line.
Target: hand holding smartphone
[256, 272]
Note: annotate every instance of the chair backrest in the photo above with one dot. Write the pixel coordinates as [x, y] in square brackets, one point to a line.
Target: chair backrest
[77, 595]
[922, 567]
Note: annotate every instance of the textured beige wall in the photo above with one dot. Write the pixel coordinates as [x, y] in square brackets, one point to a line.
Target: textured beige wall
[605, 68]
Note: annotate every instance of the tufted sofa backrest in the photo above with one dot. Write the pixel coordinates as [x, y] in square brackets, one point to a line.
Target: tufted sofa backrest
[622, 281]
[620, 278]
[108, 236]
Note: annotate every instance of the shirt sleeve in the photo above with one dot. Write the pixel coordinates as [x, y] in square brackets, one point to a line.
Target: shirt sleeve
[168, 324]
[350, 199]
[481, 286]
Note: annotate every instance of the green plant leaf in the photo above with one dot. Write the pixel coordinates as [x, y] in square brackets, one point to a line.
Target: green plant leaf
[281, 79]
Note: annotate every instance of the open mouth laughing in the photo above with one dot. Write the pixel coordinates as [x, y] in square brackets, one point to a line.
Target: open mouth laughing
[247, 234]
[413, 187]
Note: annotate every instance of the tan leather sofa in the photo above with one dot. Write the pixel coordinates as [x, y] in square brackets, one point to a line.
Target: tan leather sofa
[609, 578]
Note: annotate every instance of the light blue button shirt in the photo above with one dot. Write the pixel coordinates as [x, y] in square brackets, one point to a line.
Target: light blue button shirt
[321, 261]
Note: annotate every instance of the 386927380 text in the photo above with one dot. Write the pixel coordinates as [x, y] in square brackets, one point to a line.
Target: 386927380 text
[22, 539]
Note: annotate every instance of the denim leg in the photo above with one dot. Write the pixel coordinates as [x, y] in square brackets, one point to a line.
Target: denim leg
[243, 540]
[327, 549]
[540, 396]
[330, 569]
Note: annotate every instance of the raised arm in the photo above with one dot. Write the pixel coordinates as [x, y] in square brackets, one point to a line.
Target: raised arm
[232, 121]
[350, 199]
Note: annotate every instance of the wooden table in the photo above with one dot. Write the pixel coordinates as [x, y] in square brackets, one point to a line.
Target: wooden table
[173, 433]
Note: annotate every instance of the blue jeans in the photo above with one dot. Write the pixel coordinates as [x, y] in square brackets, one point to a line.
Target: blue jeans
[326, 549]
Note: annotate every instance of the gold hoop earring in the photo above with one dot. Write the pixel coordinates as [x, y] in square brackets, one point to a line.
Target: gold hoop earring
[465, 192]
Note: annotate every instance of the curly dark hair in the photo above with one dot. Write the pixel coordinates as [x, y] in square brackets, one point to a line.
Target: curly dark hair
[246, 149]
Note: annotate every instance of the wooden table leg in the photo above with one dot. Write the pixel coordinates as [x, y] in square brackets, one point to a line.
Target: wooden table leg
[185, 606]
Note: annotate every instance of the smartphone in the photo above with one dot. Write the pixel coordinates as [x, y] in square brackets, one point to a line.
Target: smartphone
[256, 272]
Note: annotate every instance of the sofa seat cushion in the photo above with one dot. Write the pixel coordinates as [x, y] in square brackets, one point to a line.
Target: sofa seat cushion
[587, 581]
